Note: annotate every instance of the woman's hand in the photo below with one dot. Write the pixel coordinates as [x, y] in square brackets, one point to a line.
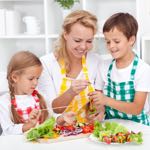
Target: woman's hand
[67, 118]
[78, 85]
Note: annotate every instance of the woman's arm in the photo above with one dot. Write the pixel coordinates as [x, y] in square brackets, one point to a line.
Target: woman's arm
[64, 100]
[60, 103]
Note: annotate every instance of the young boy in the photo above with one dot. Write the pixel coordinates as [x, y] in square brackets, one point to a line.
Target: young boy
[125, 79]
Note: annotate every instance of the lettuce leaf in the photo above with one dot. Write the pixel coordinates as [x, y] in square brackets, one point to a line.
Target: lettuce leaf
[97, 128]
[45, 128]
[136, 137]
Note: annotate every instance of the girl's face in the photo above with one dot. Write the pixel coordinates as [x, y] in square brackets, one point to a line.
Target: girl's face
[79, 40]
[118, 44]
[26, 82]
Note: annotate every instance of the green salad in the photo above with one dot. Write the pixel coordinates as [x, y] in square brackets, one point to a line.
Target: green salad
[43, 130]
[113, 132]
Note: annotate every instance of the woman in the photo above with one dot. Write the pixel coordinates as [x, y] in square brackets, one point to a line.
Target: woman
[70, 71]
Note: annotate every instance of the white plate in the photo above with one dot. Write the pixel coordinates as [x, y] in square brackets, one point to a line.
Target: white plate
[94, 139]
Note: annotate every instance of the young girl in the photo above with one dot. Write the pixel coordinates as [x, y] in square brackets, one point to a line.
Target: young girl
[20, 109]
[125, 79]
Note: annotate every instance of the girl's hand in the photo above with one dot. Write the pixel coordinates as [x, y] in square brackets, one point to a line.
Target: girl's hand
[78, 85]
[97, 97]
[34, 116]
[32, 121]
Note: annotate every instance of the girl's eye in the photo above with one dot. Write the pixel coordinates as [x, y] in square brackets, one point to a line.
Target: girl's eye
[117, 41]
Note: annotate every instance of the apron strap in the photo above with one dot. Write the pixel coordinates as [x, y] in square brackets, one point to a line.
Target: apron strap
[110, 68]
[134, 66]
[133, 70]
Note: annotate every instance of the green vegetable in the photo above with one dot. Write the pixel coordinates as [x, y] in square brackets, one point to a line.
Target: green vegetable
[115, 127]
[97, 128]
[136, 137]
[45, 128]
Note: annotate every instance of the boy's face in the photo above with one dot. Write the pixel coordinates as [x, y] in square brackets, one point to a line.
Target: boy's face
[26, 82]
[118, 44]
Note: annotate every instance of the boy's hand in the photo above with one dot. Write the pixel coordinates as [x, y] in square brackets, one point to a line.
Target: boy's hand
[97, 97]
[98, 115]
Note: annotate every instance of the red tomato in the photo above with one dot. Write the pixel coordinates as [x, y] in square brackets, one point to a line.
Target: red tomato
[91, 126]
[107, 139]
[86, 129]
[69, 127]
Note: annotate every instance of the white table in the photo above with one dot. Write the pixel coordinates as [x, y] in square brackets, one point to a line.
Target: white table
[15, 142]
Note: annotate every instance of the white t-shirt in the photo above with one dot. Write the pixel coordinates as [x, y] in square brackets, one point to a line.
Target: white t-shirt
[141, 78]
[51, 78]
[8, 126]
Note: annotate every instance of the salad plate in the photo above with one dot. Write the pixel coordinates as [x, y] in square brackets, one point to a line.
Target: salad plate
[96, 140]
[114, 133]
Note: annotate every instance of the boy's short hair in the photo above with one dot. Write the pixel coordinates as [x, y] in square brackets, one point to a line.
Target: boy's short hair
[124, 22]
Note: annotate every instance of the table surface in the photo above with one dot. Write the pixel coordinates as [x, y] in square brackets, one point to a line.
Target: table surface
[14, 142]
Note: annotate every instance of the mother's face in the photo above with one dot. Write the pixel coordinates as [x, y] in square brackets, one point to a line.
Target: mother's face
[79, 40]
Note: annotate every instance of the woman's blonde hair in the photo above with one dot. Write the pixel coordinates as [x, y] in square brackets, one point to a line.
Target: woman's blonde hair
[82, 17]
[18, 63]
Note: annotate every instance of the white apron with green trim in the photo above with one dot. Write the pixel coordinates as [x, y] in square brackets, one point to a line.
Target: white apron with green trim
[79, 104]
[123, 91]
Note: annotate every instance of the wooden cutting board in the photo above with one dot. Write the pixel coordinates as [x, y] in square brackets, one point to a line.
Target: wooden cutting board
[62, 138]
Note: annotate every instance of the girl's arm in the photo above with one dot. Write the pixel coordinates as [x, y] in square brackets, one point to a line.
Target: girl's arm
[133, 108]
[7, 125]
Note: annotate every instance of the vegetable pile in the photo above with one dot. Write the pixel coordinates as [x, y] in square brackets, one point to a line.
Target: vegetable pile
[112, 132]
[45, 130]
[50, 130]
[74, 129]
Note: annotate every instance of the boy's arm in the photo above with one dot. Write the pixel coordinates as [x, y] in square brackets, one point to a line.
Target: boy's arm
[133, 108]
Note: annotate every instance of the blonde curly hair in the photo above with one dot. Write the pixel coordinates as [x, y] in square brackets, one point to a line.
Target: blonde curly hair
[82, 17]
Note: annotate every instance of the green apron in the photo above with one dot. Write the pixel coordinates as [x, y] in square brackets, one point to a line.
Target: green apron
[123, 91]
